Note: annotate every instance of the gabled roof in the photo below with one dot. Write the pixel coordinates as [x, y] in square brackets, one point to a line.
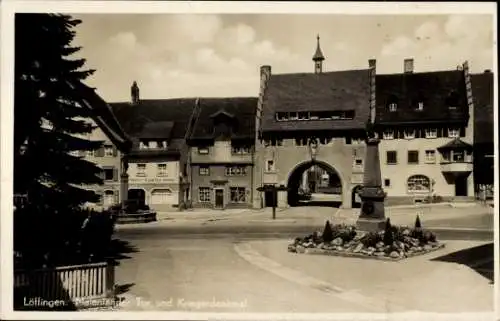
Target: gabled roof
[433, 88]
[241, 109]
[456, 143]
[482, 91]
[137, 118]
[102, 114]
[328, 91]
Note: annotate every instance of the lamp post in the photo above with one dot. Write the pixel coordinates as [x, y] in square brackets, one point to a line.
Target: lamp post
[274, 192]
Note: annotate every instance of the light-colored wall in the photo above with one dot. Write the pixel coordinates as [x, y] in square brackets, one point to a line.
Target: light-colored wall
[220, 152]
[151, 172]
[336, 153]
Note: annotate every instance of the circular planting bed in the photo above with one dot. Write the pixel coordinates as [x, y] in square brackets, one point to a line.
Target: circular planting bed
[394, 243]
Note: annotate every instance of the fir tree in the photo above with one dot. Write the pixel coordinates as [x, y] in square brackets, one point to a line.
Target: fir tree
[327, 233]
[388, 233]
[48, 122]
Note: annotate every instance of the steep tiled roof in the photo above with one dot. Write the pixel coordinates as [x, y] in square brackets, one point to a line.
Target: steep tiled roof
[482, 91]
[329, 91]
[433, 88]
[101, 112]
[136, 119]
[241, 109]
[158, 129]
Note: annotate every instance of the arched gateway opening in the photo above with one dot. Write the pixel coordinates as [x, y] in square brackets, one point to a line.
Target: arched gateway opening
[137, 195]
[314, 183]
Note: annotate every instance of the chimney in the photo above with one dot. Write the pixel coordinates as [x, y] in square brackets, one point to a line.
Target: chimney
[408, 66]
[265, 73]
[134, 93]
[372, 63]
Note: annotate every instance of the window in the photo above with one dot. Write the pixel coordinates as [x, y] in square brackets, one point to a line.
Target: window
[419, 184]
[90, 153]
[420, 106]
[143, 145]
[204, 171]
[387, 182]
[356, 141]
[431, 133]
[153, 144]
[108, 150]
[236, 170]
[281, 116]
[413, 157]
[458, 156]
[270, 165]
[358, 162]
[161, 170]
[453, 132]
[237, 194]
[409, 133]
[204, 194]
[392, 157]
[141, 170]
[109, 174]
[303, 116]
[393, 107]
[273, 142]
[240, 150]
[293, 116]
[203, 150]
[430, 156]
[388, 134]
[75, 153]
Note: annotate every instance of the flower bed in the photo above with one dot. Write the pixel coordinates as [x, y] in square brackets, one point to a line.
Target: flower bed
[394, 243]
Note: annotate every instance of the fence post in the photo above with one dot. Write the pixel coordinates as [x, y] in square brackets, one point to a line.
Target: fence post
[110, 278]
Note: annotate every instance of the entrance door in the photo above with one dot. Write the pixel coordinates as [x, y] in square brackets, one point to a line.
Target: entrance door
[268, 199]
[219, 198]
[461, 186]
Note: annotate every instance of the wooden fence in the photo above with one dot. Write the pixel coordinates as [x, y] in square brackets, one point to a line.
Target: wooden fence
[67, 283]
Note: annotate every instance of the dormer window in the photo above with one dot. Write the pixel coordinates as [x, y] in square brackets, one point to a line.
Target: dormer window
[392, 103]
[453, 100]
[293, 116]
[431, 133]
[303, 116]
[453, 132]
[281, 116]
[409, 133]
[143, 145]
[388, 134]
[153, 144]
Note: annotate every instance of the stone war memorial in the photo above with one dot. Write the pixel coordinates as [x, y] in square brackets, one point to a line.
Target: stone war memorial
[373, 236]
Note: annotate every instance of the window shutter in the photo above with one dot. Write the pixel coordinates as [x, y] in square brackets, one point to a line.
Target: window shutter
[100, 152]
[115, 174]
[115, 151]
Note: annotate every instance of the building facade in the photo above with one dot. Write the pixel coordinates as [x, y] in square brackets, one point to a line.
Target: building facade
[221, 154]
[425, 121]
[309, 120]
[157, 162]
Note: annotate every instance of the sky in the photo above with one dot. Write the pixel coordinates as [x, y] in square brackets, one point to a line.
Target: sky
[210, 55]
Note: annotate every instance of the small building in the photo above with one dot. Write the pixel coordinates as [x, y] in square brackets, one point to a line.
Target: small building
[157, 162]
[222, 153]
[426, 123]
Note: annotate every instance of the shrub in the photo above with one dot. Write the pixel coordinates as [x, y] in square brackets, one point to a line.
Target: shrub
[388, 233]
[371, 239]
[327, 232]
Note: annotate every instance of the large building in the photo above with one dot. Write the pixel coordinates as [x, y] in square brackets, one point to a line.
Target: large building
[221, 154]
[311, 119]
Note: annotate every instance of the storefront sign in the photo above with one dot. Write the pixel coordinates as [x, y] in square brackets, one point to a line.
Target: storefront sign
[154, 180]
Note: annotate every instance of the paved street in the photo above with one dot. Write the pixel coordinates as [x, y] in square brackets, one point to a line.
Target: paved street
[215, 263]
